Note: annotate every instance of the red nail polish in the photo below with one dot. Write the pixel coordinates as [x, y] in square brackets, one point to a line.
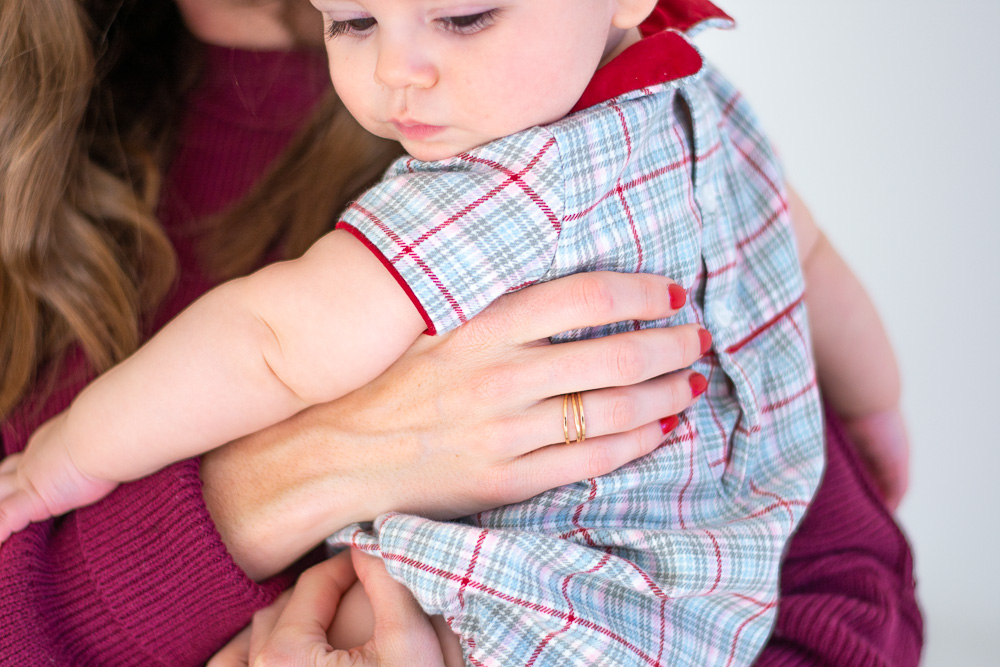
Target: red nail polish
[678, 296]
[705, 339]
[668, 424]
[698, 384]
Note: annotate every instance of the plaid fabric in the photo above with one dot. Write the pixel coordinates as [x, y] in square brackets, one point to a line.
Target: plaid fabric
[674, 558]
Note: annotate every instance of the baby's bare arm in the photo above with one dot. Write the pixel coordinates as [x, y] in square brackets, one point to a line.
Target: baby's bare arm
[854, 358]
[248, 354]
[855, 361]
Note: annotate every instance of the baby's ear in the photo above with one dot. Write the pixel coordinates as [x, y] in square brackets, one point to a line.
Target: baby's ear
[631, 13]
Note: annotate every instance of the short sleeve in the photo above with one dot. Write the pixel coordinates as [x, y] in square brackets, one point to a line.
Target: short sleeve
[458, 233]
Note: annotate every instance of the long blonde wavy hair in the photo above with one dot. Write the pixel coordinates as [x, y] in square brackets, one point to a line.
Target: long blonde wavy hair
[88, 93]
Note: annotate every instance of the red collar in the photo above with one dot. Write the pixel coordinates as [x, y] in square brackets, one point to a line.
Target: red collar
[662, 55]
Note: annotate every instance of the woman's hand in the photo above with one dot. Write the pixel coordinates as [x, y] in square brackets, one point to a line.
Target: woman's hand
[293, 630]
[463, 422]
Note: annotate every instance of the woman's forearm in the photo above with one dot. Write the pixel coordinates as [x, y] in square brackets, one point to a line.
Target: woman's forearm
[461, 422]
[276, 494]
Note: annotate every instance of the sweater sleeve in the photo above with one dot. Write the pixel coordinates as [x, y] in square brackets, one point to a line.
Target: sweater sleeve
[141, 577]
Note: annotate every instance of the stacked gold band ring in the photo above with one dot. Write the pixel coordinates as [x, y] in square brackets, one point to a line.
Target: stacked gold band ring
[579, 421]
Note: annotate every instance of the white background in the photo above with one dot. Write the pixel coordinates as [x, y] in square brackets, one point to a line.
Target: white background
[886, 116]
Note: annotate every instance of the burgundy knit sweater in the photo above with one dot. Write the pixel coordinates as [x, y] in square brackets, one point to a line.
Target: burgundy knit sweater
[142, 576]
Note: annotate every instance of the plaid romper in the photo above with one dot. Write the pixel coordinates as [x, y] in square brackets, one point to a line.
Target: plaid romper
[674, 558]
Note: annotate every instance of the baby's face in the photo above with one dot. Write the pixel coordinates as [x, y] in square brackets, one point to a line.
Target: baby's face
[445, 76]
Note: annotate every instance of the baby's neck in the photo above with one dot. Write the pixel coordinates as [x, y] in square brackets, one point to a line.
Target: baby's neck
[618, 41]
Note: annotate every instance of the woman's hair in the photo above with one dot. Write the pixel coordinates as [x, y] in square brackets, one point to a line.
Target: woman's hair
[75, 232]
[89, 90]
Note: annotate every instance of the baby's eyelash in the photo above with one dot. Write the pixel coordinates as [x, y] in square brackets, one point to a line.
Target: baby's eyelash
[353, 27]
[470, 23]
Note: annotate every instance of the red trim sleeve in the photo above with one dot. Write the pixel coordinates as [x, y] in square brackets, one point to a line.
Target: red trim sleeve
[353, 231]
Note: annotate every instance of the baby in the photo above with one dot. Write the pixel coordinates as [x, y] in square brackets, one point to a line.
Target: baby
[547, 137]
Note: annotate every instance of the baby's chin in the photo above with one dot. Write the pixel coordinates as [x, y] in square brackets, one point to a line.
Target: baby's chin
[433, 151]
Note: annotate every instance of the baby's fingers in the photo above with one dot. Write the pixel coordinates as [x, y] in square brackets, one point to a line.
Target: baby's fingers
[18, 508]
[10, 463]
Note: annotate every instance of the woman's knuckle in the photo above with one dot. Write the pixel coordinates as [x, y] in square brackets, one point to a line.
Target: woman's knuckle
[499, 486]
[627, 361]
[593, 297]
[600, 461]
[622, 412]
[636, 443]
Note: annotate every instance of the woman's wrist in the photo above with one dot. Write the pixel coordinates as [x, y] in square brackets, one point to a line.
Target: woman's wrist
[277, 494]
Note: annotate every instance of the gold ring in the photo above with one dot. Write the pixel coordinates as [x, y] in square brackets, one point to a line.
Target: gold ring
[579, 421]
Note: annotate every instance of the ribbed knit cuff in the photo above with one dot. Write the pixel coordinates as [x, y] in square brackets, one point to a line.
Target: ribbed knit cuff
[160, 567]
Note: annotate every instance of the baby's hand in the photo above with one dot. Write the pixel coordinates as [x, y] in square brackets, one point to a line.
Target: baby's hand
[884, 447]
[43, 481]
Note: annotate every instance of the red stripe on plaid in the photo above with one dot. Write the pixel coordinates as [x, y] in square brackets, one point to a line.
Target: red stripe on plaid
[680, 497]
[763, 228]
[722, 269]
[653, 588]
[631, 224]
[788, 399]
[569, 619]
[532, 195]
[690, 184]
[767, 325]
[802, 336]
[718, 562]
[472, 647]
[739, 631]
[743, 429]
[755, 601]
[760, 171]
[421, 264]
[506, 597]
[579, 510]
[663, 632]
[715, 415]
[478, 202]
[728, 109]
[641, 180]
[783, 504]
[628, 135]
[526, 283]
[636, 325]
[431, 329]
[472, 566]
[781, 501]
[678, 439]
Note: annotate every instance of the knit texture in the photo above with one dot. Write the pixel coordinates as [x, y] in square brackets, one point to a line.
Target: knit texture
[142, 576]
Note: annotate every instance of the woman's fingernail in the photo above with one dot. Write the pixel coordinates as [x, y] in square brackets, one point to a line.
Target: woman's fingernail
[668, 424]
[698, 384]
[678, 296]
[705, 339]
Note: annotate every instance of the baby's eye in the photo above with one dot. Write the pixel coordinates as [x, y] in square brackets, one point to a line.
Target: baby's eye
[470, 23]
[356, 27]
